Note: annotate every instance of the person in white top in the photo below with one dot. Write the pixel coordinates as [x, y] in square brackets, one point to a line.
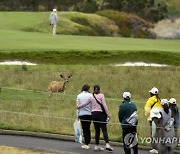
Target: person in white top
[53, 20]
[84, 114]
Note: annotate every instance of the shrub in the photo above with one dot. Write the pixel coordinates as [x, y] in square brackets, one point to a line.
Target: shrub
[129, 24]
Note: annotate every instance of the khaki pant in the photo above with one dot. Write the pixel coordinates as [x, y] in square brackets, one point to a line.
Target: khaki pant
[54, 29]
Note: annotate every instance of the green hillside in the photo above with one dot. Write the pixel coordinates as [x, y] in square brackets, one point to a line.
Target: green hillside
[24, 31]
[69, 23]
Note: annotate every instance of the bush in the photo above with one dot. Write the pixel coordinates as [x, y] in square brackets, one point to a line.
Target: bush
[129, 25]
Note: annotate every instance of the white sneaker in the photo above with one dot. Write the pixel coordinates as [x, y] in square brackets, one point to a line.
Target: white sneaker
[98, 148]
[153, 151]
[109, 148]
[85, 147]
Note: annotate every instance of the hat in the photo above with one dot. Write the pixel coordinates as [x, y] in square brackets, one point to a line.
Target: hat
[172, 101]
[164, 101]
[127, 95]
[54, 10]
[154, 90]
[155, 113]
[96, 87]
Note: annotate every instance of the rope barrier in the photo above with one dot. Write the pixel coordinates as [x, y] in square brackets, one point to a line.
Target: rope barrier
[30, 114]
[70, 95]
[71, 119]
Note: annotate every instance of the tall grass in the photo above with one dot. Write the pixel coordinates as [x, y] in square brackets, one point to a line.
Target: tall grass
[114, 80]
[56, 115]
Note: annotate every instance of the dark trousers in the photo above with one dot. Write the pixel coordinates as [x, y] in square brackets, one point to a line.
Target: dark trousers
[150, 123]
[99, 123]
[127, 140]
[85, 123]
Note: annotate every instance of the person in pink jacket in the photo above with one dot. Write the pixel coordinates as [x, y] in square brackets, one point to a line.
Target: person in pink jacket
[100, 116]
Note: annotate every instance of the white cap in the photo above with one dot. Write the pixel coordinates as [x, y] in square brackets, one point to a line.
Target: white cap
[155, 113]
[164, 101]
[154, 90]
[127, 95]
[172, 101]
[54, 10]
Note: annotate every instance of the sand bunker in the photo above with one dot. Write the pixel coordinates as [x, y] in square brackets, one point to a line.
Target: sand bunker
[125, 64]
[16, 63]
[140, 64]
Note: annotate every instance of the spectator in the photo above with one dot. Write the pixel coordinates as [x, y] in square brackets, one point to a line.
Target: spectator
[175, 114]
[53, 19]
[99, 118]
[84, 114]
[168, 128]
[153, 102]
[157, 131]
[126, 110]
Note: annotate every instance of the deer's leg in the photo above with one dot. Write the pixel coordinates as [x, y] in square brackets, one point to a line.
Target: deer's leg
[64, 94]
[50, 94]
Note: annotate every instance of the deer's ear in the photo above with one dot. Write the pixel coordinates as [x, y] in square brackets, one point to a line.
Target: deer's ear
[62, 76]
[69, 76]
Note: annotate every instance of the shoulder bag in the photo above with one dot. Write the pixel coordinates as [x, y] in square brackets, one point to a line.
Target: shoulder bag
[132, 120]
[104, 112]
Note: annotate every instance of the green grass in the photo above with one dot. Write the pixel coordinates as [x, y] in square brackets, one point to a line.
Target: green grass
[68, 49]
[24, 41]
[56, 115]
[42, 47]
[25, 91]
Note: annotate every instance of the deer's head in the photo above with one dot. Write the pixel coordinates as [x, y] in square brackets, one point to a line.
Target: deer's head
[65, 78]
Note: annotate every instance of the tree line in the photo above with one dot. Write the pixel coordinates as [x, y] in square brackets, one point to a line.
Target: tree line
[152, 10]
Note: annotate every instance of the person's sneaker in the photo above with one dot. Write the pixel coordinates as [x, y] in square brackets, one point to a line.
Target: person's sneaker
[85, 147]
[98, 148]
[109, 148]
[153, 151]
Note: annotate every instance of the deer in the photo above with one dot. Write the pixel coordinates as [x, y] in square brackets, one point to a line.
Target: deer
[58, 86]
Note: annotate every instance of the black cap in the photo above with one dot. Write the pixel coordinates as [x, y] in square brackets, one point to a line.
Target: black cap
[96, 87]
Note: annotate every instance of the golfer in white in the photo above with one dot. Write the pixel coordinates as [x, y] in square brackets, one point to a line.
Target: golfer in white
[53, 19]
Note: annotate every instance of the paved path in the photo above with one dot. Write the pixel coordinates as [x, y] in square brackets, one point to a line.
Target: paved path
[53, 144]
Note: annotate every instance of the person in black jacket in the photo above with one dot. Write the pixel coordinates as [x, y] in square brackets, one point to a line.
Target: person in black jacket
[128, 119]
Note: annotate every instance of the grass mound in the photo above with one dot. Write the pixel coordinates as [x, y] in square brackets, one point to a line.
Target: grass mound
[75, 23]
[104, 23]
[129, 25]
[86, 24]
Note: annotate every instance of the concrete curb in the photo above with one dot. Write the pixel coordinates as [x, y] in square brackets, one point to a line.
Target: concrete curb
[56, 137]
[61, 137]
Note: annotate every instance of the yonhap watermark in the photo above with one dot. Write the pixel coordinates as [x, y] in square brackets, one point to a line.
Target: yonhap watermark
[131, 140]
[160, 140]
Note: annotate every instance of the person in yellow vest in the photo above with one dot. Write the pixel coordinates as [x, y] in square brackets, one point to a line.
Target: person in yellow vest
[153, 102]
